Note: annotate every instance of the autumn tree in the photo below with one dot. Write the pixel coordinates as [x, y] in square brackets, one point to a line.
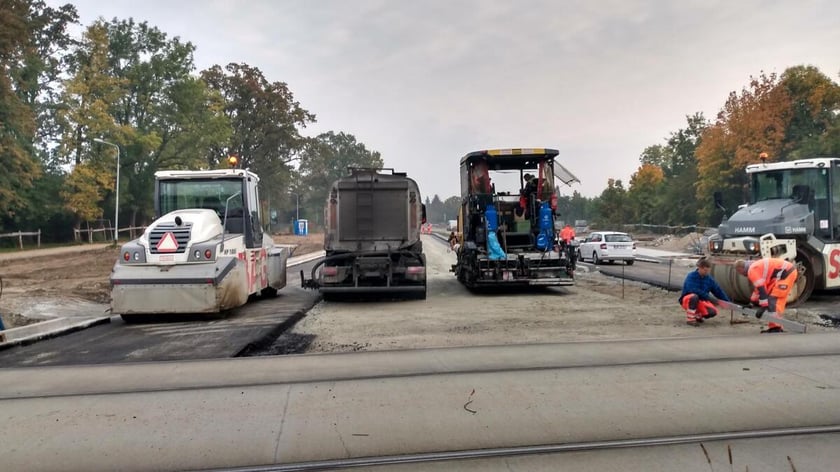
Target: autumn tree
[750, 123]
[644, 194]
[133, 86]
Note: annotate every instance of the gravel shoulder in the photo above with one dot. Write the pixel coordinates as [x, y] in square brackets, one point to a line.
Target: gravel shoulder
[598, 307]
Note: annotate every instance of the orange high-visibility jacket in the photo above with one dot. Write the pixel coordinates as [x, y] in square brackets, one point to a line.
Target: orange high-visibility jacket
[567, 234]
[764, 273]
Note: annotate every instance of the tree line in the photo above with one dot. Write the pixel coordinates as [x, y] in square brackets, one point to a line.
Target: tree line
[790, 116]
[132, 85]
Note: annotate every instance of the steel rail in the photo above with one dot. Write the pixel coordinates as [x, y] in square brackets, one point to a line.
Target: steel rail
[532, 450]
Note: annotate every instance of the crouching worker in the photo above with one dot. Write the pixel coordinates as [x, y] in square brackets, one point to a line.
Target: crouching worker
[699, 294]
[772, 280]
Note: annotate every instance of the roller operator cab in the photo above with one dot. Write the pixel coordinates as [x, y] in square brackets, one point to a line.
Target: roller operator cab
[372, 239]
[506, 225]
[205, 253]
[793, 213]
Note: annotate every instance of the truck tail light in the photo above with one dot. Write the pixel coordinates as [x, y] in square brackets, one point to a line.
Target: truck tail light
[415, 270]
[603, 245]
[330, 271]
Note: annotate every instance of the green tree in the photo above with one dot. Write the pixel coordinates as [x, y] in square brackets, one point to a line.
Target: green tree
[451, 206]
[677, 203]
[31, 34]
[612, 205]
[174, 118]
[133, 86]
[266, 121]
[656, 155]
[17, 121]
[326, 158]
[434, 211]
[815, 103]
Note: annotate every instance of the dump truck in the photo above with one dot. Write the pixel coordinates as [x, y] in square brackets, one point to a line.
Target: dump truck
[372, 240]
[506, 232]
[206, 251]
[793, 213]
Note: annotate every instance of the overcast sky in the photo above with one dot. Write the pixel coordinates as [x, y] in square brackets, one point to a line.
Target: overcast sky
[425, 82]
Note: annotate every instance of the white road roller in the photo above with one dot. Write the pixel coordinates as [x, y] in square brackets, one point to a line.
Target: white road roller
[205, 253]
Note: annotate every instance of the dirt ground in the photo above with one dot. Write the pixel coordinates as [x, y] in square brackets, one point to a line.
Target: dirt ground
[598, 307]
[60, 281]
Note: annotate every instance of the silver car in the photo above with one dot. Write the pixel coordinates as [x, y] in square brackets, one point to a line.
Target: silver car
[601, 246]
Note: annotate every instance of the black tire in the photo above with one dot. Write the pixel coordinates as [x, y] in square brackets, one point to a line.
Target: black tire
[595, 259]
[579, 255]
[805, 280]
[268, 292]
[629, 261]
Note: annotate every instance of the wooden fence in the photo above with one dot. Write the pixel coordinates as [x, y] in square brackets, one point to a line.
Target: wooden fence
[21, 234]
[108, 233]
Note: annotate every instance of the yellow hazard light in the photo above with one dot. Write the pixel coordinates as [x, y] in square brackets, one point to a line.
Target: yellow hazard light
[514, 152]
[233, 161]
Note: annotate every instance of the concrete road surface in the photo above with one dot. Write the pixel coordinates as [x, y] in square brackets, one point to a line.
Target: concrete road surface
[239, 412]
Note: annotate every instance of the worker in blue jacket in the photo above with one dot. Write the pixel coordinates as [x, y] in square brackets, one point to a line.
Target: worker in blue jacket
[699, 294]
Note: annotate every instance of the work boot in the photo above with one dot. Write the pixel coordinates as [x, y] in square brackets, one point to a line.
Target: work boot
[774, 329]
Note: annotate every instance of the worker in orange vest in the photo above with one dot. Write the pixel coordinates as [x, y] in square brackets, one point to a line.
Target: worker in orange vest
[567, 235]
[772, 279]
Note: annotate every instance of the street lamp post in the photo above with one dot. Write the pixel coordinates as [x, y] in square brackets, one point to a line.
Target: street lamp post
[117, 205]
[297, 205]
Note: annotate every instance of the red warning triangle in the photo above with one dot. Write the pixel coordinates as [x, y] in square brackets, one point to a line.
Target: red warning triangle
[167, 243]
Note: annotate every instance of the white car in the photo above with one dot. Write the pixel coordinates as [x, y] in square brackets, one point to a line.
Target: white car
[600, 246]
